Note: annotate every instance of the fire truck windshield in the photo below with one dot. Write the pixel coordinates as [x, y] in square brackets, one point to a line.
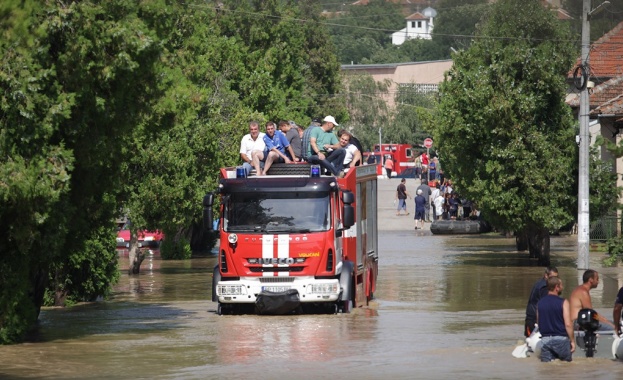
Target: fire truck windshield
[277, 212]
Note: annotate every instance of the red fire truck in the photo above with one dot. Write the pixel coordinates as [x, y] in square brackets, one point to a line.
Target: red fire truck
[295, 240]
[402, 155]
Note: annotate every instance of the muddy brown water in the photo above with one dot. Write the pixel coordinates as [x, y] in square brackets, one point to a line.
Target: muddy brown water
[446, 307]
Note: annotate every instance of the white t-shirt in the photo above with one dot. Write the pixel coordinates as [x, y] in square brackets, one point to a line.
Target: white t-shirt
[435, 194]
[351, 149]
[248, 145]
[439, 205]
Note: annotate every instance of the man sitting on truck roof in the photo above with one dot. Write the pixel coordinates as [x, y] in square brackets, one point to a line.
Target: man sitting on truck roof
[306, 137]
[290, 129]
[276, 145]
[324, 149]
[253, 141]
[353, 155]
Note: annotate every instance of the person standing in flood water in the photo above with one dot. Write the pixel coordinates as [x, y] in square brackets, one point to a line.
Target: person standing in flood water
[539, 290]
[581, 299]
[555, 323]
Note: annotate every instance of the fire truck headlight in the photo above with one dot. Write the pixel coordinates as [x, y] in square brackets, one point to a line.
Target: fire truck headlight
[231, 290]
[232, 238]
[331, 288]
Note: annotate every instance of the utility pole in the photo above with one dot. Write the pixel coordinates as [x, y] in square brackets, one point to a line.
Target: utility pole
[583, 204]
[583, 188]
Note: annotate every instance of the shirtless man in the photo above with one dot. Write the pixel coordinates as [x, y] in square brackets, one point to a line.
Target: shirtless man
[581, 299]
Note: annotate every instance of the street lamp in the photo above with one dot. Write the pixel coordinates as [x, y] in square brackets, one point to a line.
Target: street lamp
[583, 176]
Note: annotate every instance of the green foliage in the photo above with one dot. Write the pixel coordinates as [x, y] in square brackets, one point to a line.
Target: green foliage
[413, 117]
[111, 105]
[175, 249]
[604, 192]
[614, 247]
[367, 107]
[362, 30]
[72, 88]
[456, 24]
[504, 131]
[222, 70]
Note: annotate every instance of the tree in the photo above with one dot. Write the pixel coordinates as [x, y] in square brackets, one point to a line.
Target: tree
[367, 107]
[117, 104]
[76, 79]
[366, 26]
[244, 62]
[503, 127]
[456, 24]
[412, 119]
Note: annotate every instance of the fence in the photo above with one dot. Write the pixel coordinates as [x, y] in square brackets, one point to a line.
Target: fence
[604, 228]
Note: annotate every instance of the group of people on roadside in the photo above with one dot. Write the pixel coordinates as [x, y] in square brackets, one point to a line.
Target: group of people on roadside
[428, 168]
[556, 317]
[441, 199]
[317, 145]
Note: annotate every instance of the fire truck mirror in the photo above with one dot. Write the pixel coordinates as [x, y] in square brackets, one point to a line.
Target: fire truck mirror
[348, 197]
[208, 200]
[349, 216]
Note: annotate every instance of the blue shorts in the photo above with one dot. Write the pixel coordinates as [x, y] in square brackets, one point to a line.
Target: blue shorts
[419, 214]
[402, 205]
[555, 347]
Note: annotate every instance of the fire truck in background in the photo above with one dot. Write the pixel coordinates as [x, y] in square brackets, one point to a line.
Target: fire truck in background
[402, 155]
[295, 240]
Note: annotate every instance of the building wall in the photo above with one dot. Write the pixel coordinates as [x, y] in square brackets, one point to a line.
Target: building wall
[423, 73]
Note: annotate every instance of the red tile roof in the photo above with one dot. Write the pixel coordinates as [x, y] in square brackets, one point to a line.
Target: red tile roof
[416, 16]
[607, 91]
[606, 55]
[601, 94]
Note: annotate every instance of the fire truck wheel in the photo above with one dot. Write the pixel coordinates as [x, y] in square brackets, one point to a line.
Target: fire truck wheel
[344, 307]
[219, 309]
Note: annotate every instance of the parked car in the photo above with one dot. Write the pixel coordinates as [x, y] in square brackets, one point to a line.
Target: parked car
[145, 238]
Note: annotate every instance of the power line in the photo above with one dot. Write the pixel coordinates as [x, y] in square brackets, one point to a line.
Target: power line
[333, 24]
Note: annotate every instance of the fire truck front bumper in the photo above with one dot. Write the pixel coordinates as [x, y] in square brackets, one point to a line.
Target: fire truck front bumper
[247, 290]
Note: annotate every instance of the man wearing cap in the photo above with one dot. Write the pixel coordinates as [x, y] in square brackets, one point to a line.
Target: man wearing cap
[290, 129]
[324, 149]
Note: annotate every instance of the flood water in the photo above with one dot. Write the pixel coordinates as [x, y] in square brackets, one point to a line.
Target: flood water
[446, 307]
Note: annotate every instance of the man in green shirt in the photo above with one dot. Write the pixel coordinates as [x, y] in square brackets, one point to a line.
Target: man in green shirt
[324, 148]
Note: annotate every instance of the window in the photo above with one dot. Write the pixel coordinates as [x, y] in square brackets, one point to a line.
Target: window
[419, 24]
[413, 24]
[277, 212]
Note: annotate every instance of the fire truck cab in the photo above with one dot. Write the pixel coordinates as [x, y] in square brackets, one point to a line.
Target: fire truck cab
[402, 155]
[295, 239]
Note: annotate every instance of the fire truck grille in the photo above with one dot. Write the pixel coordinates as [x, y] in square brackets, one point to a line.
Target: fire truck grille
[276, 279]
[275, 269]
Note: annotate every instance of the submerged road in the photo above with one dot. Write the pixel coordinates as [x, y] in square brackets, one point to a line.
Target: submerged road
[447, 307]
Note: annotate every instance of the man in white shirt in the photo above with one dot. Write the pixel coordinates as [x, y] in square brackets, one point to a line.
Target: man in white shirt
[353, 155]
[251, 142]
[436, 193]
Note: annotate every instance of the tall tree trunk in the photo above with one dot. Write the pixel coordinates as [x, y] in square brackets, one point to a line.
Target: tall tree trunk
[136, 256]
[521, 240]
[538, 244]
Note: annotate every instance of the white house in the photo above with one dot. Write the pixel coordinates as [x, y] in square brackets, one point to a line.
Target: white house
[419, 25]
